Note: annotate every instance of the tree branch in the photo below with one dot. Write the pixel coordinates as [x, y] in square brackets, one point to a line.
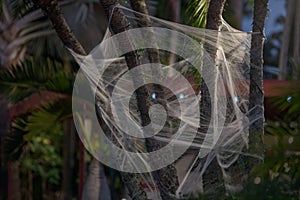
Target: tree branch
[256, 96]
[214, 14]
[53, 11]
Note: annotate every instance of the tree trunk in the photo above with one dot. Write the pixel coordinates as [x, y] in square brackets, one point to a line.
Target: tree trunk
[118, 24]
[212, 178]
[173, 7]
[237, 10]
[296, 48]
[53, 11]
[81, 169]
[30, 185]
[68, 156]
[14, 182]
[96, 187]
[256, 96]
[166, 175]
[214, 14]
[145, 21]
[3, 132]
[285, 40]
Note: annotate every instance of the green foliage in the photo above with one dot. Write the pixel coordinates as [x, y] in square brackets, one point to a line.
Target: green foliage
[33, 77]
[21, 81]
[197, 10]
[280, 172]
[290, 104]
[42, 120]
[47, 117]
[42, 156]
[35, 138]
[267, 189]
[13, 142]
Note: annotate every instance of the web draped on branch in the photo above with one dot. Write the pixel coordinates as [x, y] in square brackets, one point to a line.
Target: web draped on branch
[189, 126]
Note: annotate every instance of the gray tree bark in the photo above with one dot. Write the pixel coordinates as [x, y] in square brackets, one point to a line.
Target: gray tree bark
[285, 40]
[214, 14]
[96, 187]
[173, 7]
[296, 48]
[53, 11]
[119, 23]
[256, 96]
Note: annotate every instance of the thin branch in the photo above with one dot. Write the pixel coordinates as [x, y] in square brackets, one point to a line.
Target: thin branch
[285, 40]
[256, 96]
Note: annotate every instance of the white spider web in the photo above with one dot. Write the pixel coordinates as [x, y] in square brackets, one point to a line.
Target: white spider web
[198, 135]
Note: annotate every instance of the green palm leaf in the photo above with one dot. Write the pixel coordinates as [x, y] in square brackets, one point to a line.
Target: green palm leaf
[21, 81]
[46, 118]
[31, 77]
[197, 10]
[43, 120]
[13, 143]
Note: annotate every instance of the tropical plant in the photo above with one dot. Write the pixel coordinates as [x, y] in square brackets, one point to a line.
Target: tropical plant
[22, 81]
[40, 164]
[24, 30]
[20, 84]
[198, 8]
[26, 82]
[17, 30]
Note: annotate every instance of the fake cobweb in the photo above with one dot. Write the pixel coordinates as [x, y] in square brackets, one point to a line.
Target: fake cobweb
[193, 85]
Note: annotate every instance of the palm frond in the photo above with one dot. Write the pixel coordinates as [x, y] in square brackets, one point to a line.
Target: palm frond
[13, 142]
[20, 7]
[43, 120]
[24, 29]
[14, 34]
[47, 117]
[197, 10]
[31, 77]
